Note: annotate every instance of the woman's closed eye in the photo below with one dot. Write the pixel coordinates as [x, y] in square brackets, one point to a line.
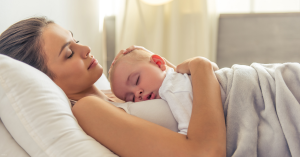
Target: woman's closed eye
[72, 52]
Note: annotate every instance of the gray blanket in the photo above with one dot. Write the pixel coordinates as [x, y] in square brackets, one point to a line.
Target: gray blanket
[262, 110]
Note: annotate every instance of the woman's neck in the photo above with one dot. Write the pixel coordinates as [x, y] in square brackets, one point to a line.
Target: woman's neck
[92, 91]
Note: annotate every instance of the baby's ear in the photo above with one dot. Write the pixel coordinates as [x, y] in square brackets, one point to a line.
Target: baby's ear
[159, 61]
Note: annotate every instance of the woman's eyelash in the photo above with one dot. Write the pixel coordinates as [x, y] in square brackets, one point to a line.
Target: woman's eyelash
[72, 51]
[71, 54]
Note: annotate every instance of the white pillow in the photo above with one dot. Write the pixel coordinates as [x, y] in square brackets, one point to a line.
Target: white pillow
[156, 111]
[8, 146]
[102, 83]
[37, 114]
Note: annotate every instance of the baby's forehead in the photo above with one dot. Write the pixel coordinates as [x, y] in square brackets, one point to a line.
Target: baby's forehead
[121, 68]
[132, 58]
[135, 57]
[126, 61]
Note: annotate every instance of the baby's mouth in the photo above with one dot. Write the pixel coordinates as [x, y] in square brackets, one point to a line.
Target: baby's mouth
[150, 96]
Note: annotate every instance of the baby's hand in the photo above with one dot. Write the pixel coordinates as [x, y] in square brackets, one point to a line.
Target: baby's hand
[185, 67]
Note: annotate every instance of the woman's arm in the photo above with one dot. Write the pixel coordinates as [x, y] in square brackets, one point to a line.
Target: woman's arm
[127, 135]
[207, 122]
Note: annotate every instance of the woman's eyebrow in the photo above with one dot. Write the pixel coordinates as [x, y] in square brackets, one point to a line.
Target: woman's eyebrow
[66, 44]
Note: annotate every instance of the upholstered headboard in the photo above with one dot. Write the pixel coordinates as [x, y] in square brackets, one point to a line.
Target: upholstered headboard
[263, 38]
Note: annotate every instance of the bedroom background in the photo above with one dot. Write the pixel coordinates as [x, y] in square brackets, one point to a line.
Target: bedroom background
[225, 31]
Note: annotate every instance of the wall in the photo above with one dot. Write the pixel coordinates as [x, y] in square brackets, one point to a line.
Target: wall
[79, 16]
[262, 38]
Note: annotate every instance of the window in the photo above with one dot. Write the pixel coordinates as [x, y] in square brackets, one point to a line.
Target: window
[106, 8]
[257, 6]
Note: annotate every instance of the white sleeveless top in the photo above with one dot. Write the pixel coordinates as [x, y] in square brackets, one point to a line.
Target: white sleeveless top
[156, 111]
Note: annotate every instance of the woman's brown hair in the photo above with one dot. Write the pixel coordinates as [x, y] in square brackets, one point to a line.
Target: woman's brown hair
[22, 41]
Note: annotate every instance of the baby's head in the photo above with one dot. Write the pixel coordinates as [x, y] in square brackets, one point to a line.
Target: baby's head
[137, 76]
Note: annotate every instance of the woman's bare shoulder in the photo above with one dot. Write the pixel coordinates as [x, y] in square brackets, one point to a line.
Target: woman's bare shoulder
[88, 100]
[88, 103]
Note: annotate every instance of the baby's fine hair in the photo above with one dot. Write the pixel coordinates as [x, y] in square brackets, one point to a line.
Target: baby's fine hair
[132, 57]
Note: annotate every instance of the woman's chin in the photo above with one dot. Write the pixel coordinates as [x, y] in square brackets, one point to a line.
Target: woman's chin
[98, 71]
[95, 74]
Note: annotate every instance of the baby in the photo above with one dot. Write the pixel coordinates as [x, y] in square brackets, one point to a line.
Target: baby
[261, 102]
[140, 75]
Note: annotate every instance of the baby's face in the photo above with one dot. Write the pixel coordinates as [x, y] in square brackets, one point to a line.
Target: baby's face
[137, 81]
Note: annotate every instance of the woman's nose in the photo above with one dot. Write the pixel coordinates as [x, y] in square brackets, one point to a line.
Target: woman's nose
[138, 95]
[85, 51]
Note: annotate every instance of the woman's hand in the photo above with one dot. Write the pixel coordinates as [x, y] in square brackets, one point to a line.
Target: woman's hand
[185, 67]
[133, 47]
[128, 50]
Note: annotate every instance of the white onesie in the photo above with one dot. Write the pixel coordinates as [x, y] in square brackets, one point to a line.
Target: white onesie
[176, 89]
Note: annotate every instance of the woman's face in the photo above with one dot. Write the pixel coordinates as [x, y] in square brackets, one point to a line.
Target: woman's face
[75, 69]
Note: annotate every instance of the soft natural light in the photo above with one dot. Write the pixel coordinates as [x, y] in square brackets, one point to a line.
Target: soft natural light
[233, 6]
[277, 6]
[257, 6]
[106, 8]
[156, 2]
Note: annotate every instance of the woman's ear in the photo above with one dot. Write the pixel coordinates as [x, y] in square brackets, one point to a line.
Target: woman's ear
[159, 61]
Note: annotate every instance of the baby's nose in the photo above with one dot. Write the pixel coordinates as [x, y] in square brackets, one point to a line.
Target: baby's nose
[138, 95]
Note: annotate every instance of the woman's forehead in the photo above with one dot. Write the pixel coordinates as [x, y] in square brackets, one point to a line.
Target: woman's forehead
[54, 37]
[54, 29]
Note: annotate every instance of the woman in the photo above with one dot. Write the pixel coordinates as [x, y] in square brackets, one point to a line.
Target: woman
[53, 50]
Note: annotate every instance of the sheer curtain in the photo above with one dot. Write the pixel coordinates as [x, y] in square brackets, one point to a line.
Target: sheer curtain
[177, 30]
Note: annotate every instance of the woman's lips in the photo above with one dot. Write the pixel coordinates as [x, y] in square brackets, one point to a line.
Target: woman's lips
[94, 62]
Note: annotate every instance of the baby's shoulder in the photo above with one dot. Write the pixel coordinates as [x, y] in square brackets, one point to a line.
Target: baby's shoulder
[176, 82]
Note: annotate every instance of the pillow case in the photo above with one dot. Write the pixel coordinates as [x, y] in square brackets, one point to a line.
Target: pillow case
[8, 146]
[37, 114]
[156, 111]
[102, 83]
